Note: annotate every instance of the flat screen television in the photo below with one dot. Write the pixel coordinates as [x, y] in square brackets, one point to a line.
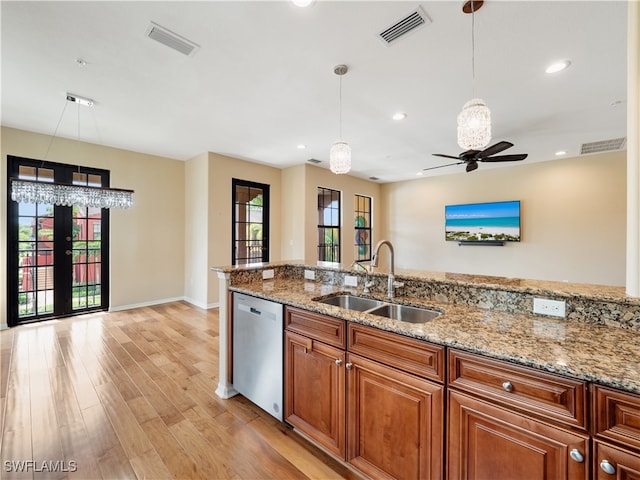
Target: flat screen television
[483, 222]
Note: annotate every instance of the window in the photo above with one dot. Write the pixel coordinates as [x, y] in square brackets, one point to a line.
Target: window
[328, 225]
[250, 217]
[362, 225]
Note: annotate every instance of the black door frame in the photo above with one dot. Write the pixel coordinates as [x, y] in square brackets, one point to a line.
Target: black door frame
[265, 216]
[63, 296]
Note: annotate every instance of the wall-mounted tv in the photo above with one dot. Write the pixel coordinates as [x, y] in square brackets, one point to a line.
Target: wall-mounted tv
[494, 222]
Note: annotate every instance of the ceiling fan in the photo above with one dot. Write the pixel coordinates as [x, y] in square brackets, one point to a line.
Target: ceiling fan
[472, 157]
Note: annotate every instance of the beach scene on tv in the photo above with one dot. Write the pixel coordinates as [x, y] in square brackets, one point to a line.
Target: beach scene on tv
[483, 222]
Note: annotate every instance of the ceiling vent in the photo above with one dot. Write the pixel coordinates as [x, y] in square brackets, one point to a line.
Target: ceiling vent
[315, 161]
[410, 23]
[603, 146]
[171, 40]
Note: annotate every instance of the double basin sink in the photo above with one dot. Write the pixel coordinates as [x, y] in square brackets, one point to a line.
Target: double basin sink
[394, 311]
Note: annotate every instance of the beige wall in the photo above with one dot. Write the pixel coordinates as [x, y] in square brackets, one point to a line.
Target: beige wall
[147, 241]
[300, 218]
[222, 170]
[573, 220]
[196, 273]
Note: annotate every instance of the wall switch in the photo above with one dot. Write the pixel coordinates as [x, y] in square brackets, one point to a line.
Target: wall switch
[350, 281]
[309, 275]
[544, 306]
[267, 274]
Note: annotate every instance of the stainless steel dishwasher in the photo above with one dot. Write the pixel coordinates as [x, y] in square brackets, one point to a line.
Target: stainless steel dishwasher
[258, 352]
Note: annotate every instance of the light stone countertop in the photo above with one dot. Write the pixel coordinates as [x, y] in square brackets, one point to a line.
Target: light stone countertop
[601, 354]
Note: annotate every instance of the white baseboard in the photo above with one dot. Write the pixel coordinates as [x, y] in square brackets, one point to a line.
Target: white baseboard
[164, 300]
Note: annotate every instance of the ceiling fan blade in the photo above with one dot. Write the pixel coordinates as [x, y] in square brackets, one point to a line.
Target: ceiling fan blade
[442, 166]
[493, 149]
[445, 156]
[471, 166]
[505, 158]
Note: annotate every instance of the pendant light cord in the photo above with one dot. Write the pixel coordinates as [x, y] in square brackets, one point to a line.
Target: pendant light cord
[56, 130]
[473, 50]
[340, 96]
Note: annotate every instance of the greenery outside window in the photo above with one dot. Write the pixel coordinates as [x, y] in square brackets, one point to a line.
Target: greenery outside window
[362, 226]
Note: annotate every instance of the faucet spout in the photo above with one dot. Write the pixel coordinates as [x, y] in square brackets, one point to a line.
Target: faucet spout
[374, 263]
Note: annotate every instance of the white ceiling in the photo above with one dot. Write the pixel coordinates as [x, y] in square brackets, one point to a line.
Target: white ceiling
[263, 82]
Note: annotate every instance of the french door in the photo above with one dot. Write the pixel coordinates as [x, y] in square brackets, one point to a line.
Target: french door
[58, 256]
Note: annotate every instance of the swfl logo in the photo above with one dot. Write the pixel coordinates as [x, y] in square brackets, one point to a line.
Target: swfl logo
[57, 466]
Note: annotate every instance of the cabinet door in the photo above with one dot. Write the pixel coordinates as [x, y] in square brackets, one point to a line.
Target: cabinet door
[615, 464]
[395, 427]
[487, 442]
[315, 391]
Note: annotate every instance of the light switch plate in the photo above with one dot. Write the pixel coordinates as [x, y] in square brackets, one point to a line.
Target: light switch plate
[309, 275]
[350, 281]
[267, 274]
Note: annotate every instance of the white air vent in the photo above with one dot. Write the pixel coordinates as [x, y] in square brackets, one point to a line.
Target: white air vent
[603, 146]
[411, 22]
[171, 40]
[315, 161]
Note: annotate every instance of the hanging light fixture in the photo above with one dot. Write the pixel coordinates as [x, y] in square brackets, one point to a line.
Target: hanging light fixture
[56, 193]
[340, 153]
[474, 121]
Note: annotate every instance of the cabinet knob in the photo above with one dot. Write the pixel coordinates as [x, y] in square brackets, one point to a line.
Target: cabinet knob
[606, 467]
[338, 361]
[576, 455]
[348, 366]
[508, 386]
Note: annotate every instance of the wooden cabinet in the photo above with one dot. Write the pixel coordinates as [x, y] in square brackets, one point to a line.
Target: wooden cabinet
[487, 441]
[396, 425]
[314, 377]
[362, 407]
[508, 421]
[616, 428]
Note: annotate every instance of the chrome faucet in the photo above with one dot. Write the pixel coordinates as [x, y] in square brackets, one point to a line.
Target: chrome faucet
[391, 284]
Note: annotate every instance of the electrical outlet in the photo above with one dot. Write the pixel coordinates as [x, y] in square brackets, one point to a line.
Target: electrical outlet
[267, 274]
[350, 281]
[544, 306]
[309, 275]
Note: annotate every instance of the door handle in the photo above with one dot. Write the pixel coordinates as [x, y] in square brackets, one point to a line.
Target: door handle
[68, 252]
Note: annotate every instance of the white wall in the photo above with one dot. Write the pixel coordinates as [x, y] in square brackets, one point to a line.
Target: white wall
[573, 220]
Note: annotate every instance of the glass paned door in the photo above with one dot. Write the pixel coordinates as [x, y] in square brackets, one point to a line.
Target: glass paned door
[250, 217]
[56, 258]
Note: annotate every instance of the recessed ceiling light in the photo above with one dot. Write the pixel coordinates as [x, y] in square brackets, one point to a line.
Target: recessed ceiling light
[559, 153]
[558, 66]
[301, 146]
[420, 173]
[302, 3]
[81, 62]
[399, 116]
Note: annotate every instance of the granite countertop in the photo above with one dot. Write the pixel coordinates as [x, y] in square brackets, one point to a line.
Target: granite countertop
[602, 354]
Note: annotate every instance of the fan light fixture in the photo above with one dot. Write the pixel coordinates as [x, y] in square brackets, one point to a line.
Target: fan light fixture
[56, 193]
[474, 121]
[340, 153]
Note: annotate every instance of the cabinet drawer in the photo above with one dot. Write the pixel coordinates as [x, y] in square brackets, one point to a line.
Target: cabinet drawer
[549, 396]
[612, 463]
[616, 416]
[405, 353]
[316, 326]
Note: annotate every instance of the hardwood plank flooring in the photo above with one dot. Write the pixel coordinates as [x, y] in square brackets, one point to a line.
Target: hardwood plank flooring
[131, 395]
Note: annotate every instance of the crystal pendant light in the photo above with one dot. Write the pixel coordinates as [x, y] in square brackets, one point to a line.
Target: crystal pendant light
[340, 153]
[474, 121]
[56, 193]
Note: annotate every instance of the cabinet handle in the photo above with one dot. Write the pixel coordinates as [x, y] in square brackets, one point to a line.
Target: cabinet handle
[348, 366]
[508, 386]
[338, 362]
[606, 467]
[576, 455]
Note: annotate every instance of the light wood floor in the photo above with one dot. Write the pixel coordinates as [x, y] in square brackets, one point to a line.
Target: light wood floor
[131, 395]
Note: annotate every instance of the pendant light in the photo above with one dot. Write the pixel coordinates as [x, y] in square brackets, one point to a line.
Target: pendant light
[340, 153]
[57, 193]
[474, 121]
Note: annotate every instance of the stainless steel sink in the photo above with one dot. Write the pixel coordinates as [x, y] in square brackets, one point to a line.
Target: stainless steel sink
[351, 302]
[405, 313]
